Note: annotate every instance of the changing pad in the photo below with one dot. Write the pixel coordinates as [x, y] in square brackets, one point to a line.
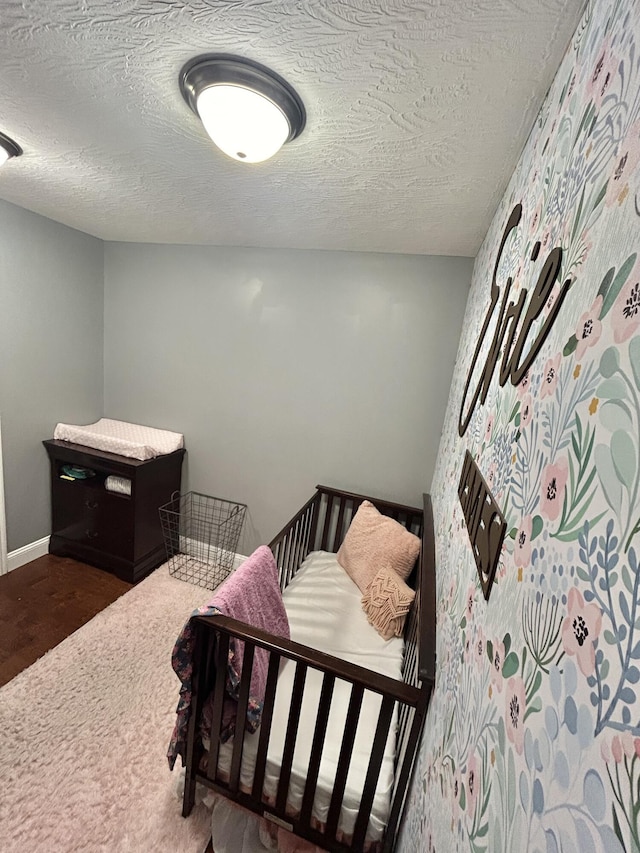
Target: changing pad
[133, 440]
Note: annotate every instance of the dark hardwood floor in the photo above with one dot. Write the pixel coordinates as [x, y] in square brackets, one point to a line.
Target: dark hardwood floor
[43, 602]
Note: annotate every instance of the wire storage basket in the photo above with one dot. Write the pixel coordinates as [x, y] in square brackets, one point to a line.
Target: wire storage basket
[201, 535]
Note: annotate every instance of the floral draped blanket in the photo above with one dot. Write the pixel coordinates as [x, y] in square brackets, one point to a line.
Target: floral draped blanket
[252, 595]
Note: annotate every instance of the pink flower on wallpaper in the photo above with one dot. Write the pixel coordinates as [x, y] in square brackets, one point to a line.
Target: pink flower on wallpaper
[488, 430]
[452, 591]
[515, 707]
[580, 630]
[603, 74]
[625, 312]
[471, 597]
[526, 411]
[491, 475]
[522, 550]
[554, 481]
[550, 376]
[589, 328]
[497, 662]
[479, 646]
[551, 299]
[473, 781]
[457, 786]
[535, 221]
[627, 159]
[616, 749]
[523, 387]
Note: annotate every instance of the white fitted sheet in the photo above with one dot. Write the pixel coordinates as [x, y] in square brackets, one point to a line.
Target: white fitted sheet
[132, 440]
[324, 611]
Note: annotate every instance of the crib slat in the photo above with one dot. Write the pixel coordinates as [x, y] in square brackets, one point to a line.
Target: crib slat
[290, 738]
[265, 724]
[337, 539]
[346, 749]
[222, 660]
[319, 734]
[241, 716]
[324, 543]
[373, 771]
[291, 562]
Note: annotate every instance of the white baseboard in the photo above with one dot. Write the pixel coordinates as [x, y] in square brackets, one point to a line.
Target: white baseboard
[23, 555]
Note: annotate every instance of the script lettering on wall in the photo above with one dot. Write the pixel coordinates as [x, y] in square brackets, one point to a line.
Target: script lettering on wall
[485, 523]
[506, 338]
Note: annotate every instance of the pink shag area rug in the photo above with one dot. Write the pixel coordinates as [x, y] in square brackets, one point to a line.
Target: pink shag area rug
[85, 730]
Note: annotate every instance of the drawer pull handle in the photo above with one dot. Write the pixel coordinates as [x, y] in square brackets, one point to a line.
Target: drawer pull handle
[91, 534]
[91, 504]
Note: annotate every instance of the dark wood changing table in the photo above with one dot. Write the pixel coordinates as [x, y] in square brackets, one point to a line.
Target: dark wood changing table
[117, 532]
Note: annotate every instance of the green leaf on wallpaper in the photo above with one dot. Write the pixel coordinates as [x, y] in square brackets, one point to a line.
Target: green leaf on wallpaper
[513, 532]
[585, 118]
[609, 362]
[534, 708]
[489, 648]
[537, 681]
[463, 623]
[510, 666]
[616, 286]
[514, 411]
[608, 477]
[616, 828]
[612, 389]
[609, 637]
[576, 221]
[463, 798]
[634, 357]
[606, 282]
[600, 195]
[570, 346]
[484, 829]
[507, 643]
[536, 526]
[615, 414]
[623, 454]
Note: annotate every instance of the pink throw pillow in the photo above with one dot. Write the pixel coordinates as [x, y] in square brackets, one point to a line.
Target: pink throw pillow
[374, 540]
[386, 603]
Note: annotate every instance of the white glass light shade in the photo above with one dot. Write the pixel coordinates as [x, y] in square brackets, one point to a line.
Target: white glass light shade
[4, 156]
[242, 123]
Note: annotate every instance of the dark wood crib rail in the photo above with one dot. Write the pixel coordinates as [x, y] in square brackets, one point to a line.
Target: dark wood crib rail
[320, 524]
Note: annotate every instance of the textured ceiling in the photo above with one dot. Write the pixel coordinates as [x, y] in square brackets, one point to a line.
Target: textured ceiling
[416, 114]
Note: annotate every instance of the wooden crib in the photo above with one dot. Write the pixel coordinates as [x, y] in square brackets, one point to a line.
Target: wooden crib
[321, 524]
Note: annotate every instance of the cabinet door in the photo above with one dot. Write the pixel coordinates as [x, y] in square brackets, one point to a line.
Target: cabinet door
[89, 515]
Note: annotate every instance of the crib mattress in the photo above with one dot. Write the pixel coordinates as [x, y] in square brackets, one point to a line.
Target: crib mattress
[339, 627]
[132, 440]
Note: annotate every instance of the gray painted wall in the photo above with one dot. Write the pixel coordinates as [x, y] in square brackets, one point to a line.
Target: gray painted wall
[285, 369]
[51, 354]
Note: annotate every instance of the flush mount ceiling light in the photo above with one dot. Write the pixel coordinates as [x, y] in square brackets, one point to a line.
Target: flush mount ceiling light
[247, 110]
[8, 149]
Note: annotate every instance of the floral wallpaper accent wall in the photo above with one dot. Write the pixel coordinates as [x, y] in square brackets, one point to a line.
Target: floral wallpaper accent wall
[532, 740]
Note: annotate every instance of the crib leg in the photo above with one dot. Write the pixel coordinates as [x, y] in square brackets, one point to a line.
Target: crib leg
[189, 796]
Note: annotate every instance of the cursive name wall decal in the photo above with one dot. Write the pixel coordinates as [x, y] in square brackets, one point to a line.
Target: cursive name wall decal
[514, 364]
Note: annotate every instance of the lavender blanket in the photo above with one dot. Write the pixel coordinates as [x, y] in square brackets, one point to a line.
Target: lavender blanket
[252, 595]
